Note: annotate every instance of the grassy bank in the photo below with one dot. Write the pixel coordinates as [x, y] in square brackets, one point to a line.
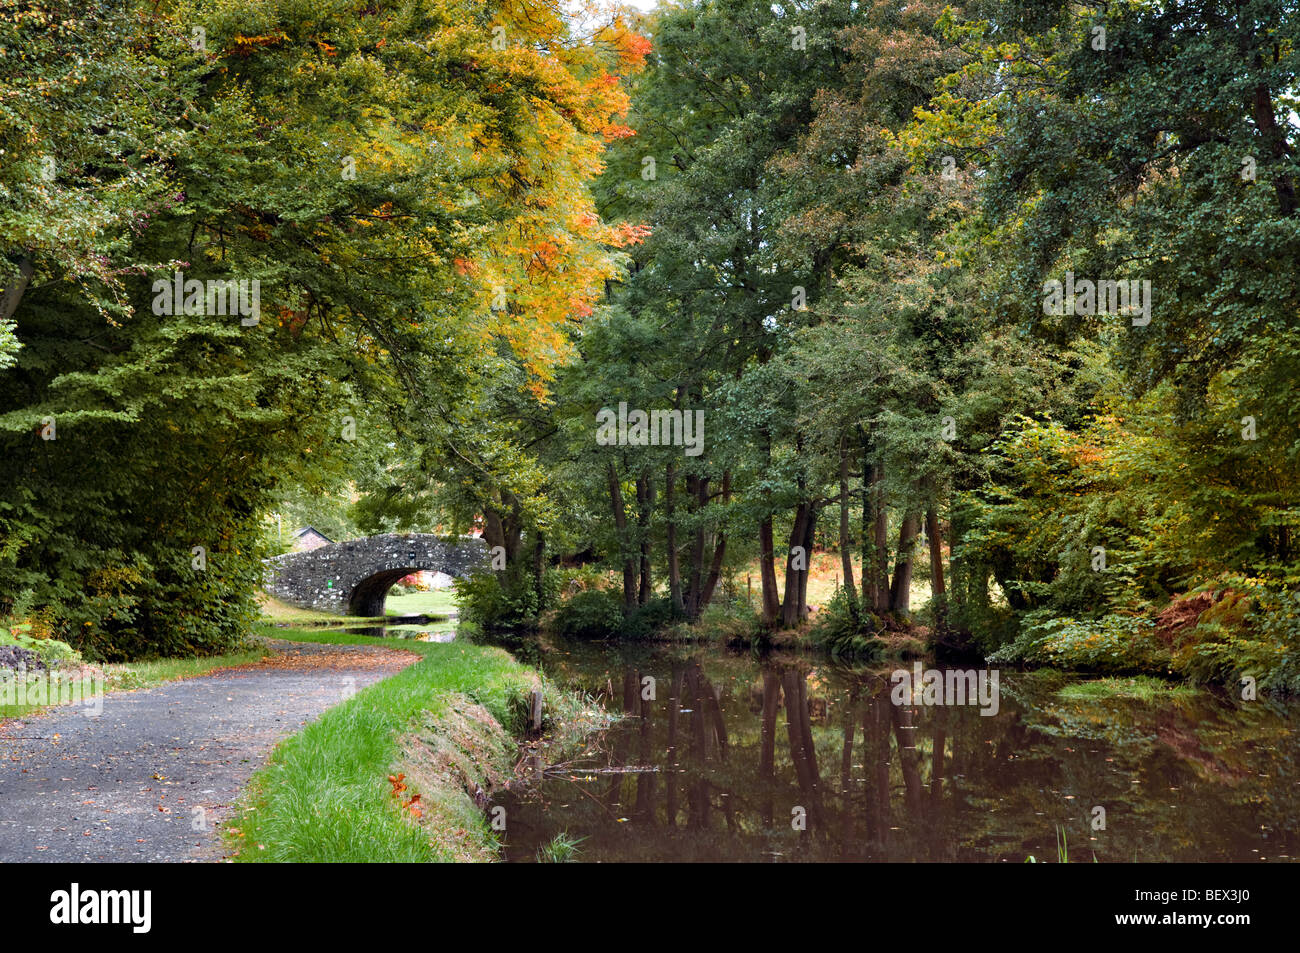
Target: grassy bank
[397, 773]
[274, 610]
[128, 676]
[435, 602]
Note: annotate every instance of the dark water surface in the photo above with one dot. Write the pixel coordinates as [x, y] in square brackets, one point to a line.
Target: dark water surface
[734, 753]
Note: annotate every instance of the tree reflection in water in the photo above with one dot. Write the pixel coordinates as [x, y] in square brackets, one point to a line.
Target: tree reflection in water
[728, 753]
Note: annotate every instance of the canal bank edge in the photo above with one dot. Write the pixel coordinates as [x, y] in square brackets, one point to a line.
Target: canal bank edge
[404, 770]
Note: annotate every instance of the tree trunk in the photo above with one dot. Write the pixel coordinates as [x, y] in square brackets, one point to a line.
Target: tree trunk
[880, 564]
[968, 585]
[767, 551]
[1276, 141]
[493, 533]
[846, 554]
[645, 501]
[512, 529]
[719, 551]
[900, 593]
[698, 488]
[790, 603]
[12, 293]
[620, 524]
[809, 535]
[539, 569]
[767, 567]
[674, 567]
[867, 544]
[936, 557]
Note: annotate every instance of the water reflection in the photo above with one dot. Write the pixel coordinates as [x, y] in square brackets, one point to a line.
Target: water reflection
[417, 632]
[421, 628]
[724, 757]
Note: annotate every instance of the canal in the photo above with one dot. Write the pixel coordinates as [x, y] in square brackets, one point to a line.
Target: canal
[728, 756]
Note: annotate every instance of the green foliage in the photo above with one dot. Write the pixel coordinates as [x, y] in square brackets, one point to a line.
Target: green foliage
[1112, 644]
[724, 620]
[380, 172]
[1254, 630]
[593, 614]
[1144, 688]
[499, 602]
[916, 174]
[598, 614]
[646, 621]
[1173, 505]
[845, 629]
[1037, 529]
[51, 651]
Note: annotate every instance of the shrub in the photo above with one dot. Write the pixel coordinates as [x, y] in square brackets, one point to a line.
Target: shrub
[51, 651]
[1113, 644]
[563, 849]
[570, 580]
[1254, 630]
[723, 620]
[844, 629]
[593, 614]
[649, 619]
[499, 602]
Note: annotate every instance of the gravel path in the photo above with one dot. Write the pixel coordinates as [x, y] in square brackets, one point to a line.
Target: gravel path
[153, 776]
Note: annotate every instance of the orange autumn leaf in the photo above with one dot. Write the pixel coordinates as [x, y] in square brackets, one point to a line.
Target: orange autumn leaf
[617, 131]
[633, 49]
[627, 233]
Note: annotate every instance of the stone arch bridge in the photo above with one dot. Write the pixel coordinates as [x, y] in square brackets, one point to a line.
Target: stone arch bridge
[353, 577]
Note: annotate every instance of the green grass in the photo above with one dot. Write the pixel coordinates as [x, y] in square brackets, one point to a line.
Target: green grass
[325, 794]
[133, 675]
[435, 602]
[273, 610]
[128, 676]
[563, 849]
[1141, 687]
[440, 602]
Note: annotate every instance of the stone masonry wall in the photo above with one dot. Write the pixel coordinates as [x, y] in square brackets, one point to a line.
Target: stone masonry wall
[352, 577]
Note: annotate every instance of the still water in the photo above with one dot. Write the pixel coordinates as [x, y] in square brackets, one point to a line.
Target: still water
[421, 628]
[726, 756]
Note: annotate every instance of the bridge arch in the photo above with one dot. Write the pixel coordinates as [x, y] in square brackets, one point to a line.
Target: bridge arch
[353, 577]
[369, 595]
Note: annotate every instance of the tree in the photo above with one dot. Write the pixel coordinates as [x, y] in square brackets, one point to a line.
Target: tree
[372, 171]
